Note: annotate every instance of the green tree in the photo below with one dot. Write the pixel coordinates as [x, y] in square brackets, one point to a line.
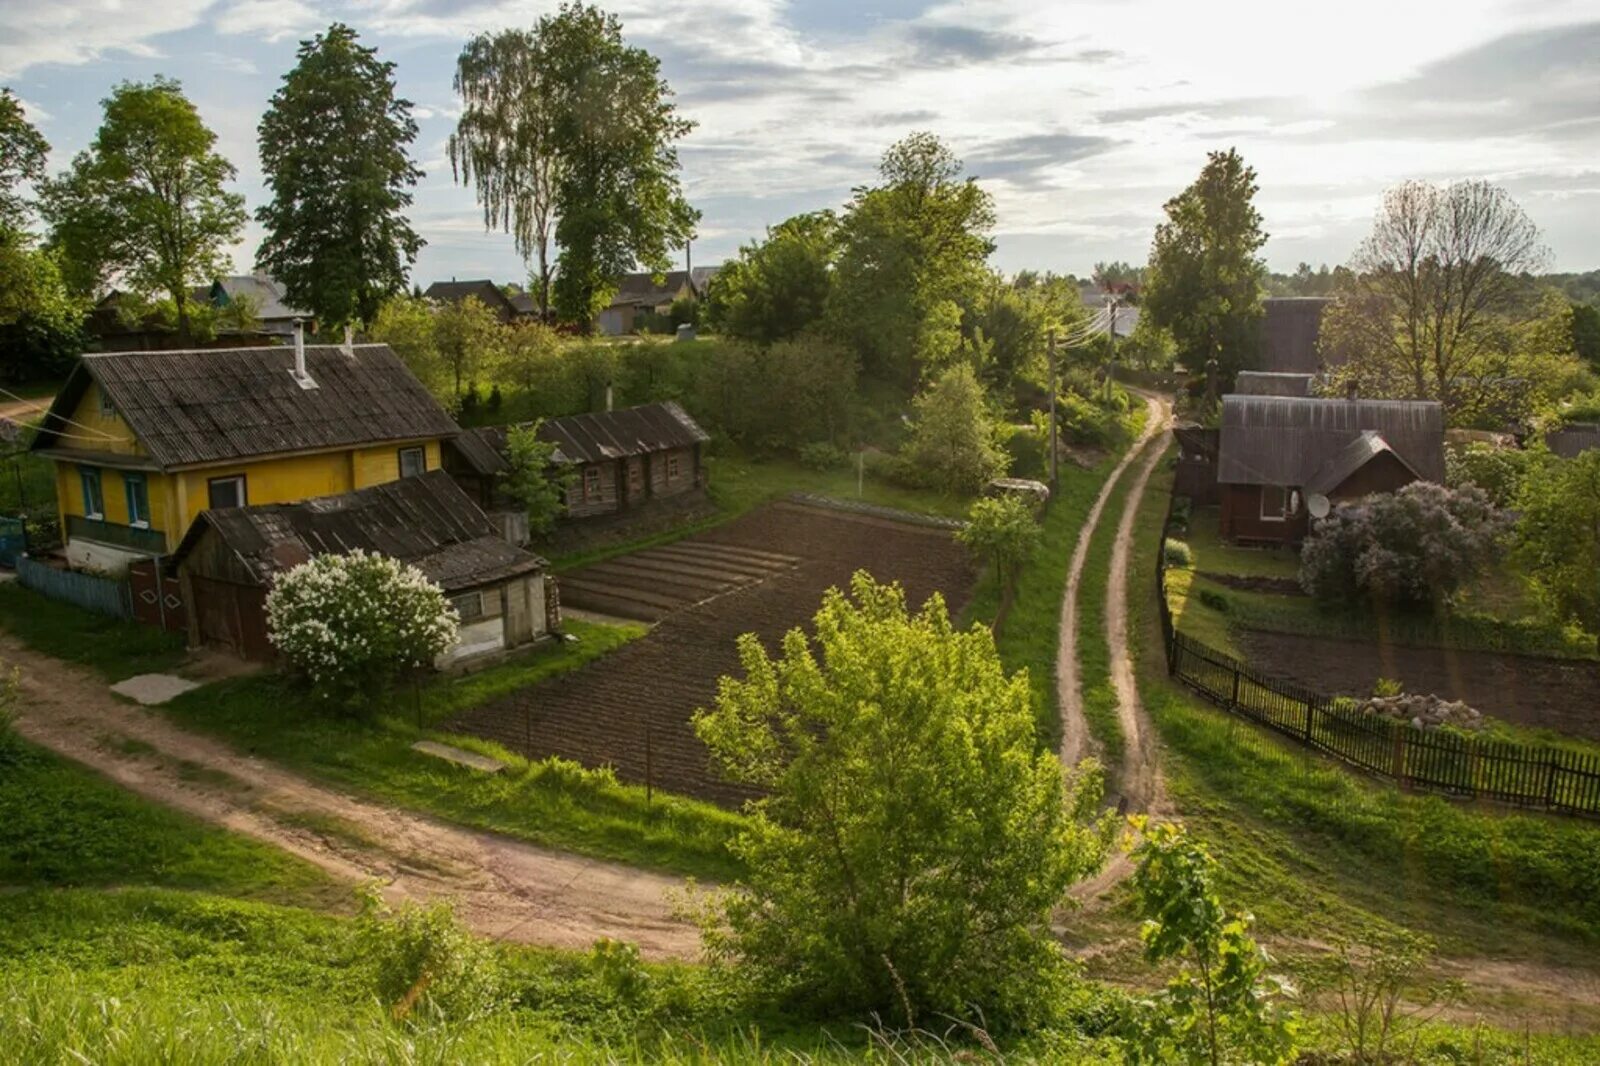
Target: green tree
[781, 397]
[618, 201]
[469, 340]
[41, 321]
[505, 141]
[914, 242]
[406, 324]
[953, 445]
[534, 481]
[1586, 333]
[1222, 1006]
[911, 841]
[780, 286]
[334, 146]
[1558, 536]
[1003, 531]
[1205, 280]
[23, 151]
[146, 199]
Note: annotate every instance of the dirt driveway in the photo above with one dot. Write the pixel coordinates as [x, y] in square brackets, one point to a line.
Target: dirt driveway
[502, 888]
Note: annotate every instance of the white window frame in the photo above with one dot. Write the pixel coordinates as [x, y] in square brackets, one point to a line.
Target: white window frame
[128, 481]
[672, 468]
[244, 498]
[591, 475]
[1283, 504]
[88, 475]
[421, 454]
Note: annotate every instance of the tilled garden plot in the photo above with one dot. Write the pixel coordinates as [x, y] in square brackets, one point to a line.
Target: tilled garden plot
[631, 709]
[651, 584]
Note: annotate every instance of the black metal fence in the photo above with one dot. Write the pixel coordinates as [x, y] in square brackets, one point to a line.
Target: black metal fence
[1544, 777]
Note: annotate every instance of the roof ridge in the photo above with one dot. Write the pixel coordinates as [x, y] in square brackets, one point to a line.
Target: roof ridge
[338, 346]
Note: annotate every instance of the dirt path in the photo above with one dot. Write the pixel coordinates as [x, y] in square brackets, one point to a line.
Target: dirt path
[1076, 741]
[503, 888]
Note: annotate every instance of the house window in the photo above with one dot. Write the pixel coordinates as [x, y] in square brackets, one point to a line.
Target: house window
[672, 468]
[107, 408]
[635, 476]
[1273, 501]
[137, 493]
[413, 461]
[469, 605]
[591, 483]
[94, 501]
[227, 491]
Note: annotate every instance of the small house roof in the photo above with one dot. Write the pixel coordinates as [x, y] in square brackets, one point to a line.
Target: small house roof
[642, 288]
[1272, 383]
[1290, 440]
[263, 290]
[1361, 450]
[484, 289]
[1573, 439]
[426, 521]
[591, 438]
[204, 406]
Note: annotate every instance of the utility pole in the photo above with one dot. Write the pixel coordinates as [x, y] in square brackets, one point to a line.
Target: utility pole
[1054, 388]
[1111, 333]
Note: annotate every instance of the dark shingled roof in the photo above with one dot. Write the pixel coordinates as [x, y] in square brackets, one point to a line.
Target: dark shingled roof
[641, 288]
[1290, 441]
[1290, 329]
[426, 521]
[194, 407]
[1572, 440]
[1267, 383]
[487, 291]
[593, 438]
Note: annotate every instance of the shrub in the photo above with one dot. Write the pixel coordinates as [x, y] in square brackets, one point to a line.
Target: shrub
[1215, 600]
[351, 624]
[953, 444]
[823, 455]
[424, 963]
[776, 398]
[1176, 553]
[1003, 531]
[1499, 472]
[1412, 548]
[1385, 687]
[1558, 537]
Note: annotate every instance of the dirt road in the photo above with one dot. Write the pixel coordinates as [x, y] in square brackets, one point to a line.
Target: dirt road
[503, 888]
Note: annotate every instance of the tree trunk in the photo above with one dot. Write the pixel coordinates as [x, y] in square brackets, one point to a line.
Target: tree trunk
[544, 282]
[180, 298]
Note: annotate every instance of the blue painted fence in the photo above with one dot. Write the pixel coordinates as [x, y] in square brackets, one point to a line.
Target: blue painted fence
[100, 594]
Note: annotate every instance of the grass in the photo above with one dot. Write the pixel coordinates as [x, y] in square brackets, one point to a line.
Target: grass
[112, 648]
[1318, 850]
[27, 483]
[1213, 555]
[550, 802]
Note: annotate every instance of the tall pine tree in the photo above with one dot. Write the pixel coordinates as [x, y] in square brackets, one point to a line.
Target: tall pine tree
[334, 146]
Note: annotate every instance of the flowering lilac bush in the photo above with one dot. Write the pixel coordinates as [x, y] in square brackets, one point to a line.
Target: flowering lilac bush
[1411, 548]
[351, 624]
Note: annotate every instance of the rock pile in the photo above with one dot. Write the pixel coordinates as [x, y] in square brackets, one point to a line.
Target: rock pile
[1424, 712]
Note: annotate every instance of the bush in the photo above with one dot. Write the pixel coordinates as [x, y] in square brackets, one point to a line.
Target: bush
[1176, 553]
[776, 398]
[424, 963]
[1412, 548]
[1499, 472]
[1003, 531]
[1385, 687]
[352, 624]
[822, 455]
[953, 443]
[1215, 600]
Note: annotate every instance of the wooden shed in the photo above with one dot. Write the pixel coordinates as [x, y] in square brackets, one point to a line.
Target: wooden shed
[230, 557]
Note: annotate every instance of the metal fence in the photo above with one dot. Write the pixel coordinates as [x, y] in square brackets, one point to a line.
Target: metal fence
[1529, 776]
[101, 594]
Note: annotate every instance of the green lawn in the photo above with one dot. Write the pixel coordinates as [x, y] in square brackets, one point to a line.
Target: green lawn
[1213, 555]
[27, 483]
[550, 802]
[115, 649]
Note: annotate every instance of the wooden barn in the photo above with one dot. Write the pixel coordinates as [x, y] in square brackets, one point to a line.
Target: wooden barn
[1281, 457]
[230, 556]
[620, 460]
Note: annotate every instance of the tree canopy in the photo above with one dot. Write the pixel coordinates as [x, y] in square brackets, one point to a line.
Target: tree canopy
[953, 446]
[334, 152]
[780, 286]
[23, 150]
[1558, 536]
[146, 201]
[911, 840]
[1205, 280]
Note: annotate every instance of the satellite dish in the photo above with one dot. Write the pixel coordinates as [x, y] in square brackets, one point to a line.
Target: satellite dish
[1318, 505]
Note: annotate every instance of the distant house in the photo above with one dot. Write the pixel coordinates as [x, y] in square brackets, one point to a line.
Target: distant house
[620, 460]
[275, 316]
[1266, 383]
[145, 441]
[641, 294]
[1291, 329]
[1573, 439]
[1281, 457]
[228, 560]
[486, 291]
[110, 325]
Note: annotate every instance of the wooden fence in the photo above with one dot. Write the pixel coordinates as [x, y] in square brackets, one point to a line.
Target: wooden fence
[101, 594]
[1528, 776]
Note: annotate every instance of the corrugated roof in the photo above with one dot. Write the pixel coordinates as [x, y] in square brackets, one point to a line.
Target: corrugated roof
[484, 289]
[482, 449]
[426, 521]
[641, 288]
[265, 291]
[207, 406]
[1572, 440]
[1288, 440]
[1352, 457]
[595, 437]
[1270, 383]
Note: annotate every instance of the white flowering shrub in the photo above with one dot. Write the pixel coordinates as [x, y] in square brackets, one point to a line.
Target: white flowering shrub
[352, 624]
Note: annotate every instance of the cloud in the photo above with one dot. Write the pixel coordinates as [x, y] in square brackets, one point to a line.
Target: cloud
[78, 32]
[1033, 159]
[270, 20]
[946, 43]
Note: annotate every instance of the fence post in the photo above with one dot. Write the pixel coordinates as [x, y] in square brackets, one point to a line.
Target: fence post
[1311, 707]
[1397, 765]
[1550, 778]
[1234, 703]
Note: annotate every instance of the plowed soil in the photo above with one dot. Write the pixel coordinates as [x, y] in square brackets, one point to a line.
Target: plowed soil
[631, 709]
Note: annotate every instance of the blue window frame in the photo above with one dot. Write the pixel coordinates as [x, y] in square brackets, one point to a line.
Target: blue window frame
[137, 492]
[94, 501]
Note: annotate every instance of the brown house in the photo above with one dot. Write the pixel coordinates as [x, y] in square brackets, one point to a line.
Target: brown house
[1282, 460]
[230, 557]
[484, 290]
[620, 460]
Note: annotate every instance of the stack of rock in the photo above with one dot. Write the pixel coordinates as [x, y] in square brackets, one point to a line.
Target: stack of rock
[1424, 712]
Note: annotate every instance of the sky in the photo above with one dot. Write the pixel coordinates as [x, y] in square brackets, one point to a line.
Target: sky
[1082, 119]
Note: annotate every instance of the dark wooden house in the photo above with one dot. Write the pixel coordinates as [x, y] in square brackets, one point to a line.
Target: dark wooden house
[230, 556]
[1572, 440]
[1281, 457]
[482, 289]
[620, 460]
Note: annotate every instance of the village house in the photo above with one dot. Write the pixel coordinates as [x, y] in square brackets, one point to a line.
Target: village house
[275, 318]
[485, 291]
[145, 441]
[1283, 460]
[619, 461]
[641, 295]
[230, 556]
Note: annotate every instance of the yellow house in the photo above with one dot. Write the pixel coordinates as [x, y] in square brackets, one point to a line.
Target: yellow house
[145, 441]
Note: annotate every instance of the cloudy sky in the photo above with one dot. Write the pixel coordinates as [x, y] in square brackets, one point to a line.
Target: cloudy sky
[1081, 118]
